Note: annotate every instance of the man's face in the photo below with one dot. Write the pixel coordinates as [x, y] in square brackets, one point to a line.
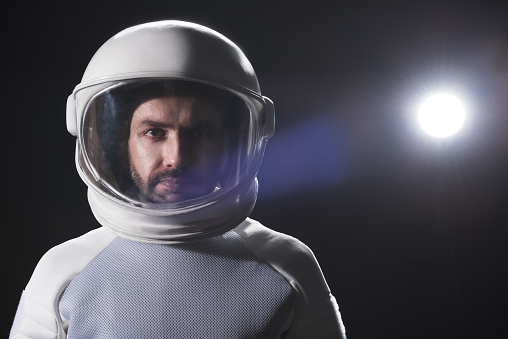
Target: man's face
[176, 148]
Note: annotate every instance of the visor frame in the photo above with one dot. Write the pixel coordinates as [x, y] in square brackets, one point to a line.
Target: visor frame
[86, 96]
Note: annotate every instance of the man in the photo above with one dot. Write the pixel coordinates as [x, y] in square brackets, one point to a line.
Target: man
[171, 128]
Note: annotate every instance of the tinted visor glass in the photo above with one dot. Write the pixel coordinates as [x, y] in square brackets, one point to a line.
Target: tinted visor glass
[165, 141]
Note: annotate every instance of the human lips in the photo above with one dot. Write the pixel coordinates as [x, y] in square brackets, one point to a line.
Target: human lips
[172, 184]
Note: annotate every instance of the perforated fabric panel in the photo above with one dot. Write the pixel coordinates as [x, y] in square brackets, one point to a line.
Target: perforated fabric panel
[216, 288]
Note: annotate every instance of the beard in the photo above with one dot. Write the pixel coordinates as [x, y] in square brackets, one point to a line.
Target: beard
[170, 186]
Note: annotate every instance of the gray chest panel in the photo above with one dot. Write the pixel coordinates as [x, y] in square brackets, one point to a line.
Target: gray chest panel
[217, 288]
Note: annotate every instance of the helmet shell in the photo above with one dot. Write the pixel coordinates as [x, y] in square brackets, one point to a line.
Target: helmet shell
[184, 50]
[178, 50]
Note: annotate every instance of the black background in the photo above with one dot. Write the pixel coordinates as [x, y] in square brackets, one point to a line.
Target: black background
[410, 231]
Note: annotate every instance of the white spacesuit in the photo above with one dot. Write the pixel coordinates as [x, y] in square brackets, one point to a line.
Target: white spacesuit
[171, 128]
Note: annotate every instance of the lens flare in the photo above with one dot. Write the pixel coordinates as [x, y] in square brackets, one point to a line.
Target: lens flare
[306, 157]
[441, 115]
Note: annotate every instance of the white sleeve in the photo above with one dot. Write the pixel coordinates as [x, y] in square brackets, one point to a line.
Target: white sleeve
[33, 320]
[20, 314]
[316, 314]
[38, 316]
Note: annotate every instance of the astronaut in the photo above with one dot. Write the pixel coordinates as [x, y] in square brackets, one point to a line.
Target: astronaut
[171, 128]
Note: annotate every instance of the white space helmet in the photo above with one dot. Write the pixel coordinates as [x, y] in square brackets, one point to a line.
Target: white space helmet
[158, 60]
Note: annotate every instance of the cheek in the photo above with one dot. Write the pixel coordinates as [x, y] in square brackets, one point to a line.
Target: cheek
[210, 157]
[144, 160]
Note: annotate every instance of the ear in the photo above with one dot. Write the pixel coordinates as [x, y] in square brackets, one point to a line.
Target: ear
[268, 118]
[71, 119]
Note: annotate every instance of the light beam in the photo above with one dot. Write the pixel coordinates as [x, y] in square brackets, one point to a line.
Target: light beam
[441, 115]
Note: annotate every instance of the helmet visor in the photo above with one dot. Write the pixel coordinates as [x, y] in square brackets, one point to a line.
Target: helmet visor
[164, 141]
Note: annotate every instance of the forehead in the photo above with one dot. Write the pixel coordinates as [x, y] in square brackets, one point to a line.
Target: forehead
[181, 109]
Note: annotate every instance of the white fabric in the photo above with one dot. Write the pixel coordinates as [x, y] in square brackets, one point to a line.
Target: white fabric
[53, 273]
[168, 227]
[217, 288]
[315, 314]
[20, 314]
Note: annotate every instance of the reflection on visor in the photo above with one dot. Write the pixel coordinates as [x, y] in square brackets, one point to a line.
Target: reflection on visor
[165, 141]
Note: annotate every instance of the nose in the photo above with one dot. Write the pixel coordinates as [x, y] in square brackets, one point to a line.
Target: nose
[172, 152]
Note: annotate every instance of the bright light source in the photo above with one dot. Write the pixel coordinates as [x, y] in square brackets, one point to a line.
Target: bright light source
[441, 115]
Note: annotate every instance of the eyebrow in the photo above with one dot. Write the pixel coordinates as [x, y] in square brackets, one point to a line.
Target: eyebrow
[153, 123]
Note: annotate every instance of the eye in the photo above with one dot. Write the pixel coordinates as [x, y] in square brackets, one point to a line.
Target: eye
[199, 133]
[155, 133]
[202, 132]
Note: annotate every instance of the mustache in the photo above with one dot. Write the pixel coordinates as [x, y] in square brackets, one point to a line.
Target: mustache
[174, 174]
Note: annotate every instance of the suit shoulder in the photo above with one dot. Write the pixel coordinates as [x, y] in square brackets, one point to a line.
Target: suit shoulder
[61, 263]
[288, 255]
[262, 236]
